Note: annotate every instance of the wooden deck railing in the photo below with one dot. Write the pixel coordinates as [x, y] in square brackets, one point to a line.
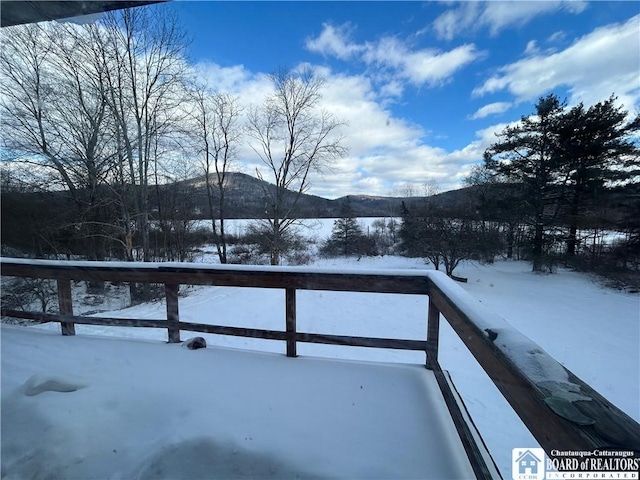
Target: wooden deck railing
[561, 411]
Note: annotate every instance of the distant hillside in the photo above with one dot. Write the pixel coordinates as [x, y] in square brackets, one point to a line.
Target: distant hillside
[370, 206]
[245, 197]
[378, 206]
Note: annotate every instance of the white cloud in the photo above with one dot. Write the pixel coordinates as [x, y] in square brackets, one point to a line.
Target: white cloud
[394, 88]
[491, 109]
[557, 37]
[333, 41]
[391, 54]
[426, 66]
[235, 80]
[461, 161]
[471, 16]
[532, 48]
[453, 21]
[600, 63]
[384, 150]
[499, 15]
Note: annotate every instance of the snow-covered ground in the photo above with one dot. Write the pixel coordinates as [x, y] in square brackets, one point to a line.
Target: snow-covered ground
[102, 408]
[594, 332]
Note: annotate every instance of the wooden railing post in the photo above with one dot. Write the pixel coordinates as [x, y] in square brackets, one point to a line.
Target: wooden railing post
[173, 318]
[290, 301]
[65, 306]
[433, 333]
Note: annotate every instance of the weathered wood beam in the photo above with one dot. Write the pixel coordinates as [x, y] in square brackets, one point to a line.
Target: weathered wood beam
[107, 321]
[476, 459]
[65, 306]
[195, 275]
[233, 331]
[433, 333]
[173, 317]
[372, 342]
[554, 428]
[290, 321]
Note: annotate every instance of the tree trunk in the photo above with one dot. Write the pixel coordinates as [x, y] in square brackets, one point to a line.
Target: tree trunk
[222, 240]
[510, 240]
[275, 256]
[573, 228]
[275, 246]
[537, 247]
[571, 241]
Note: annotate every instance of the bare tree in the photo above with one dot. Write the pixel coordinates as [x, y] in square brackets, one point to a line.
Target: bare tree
[175, 203]
[217, 116]
[52, 107]
[430, 187]
[54, 116]
[25, 95]
[294, 137]
[142, 50]
[414, 193]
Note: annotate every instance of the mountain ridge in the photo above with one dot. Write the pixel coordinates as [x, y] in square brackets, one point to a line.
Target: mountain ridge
[246, 198]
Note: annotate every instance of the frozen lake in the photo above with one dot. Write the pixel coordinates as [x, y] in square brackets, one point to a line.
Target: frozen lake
[314, 228]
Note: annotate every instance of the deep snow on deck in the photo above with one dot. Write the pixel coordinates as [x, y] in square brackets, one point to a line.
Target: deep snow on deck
[145, 409]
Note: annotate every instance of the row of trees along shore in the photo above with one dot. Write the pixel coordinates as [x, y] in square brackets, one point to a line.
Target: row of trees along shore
[545, 179]
[109, 114]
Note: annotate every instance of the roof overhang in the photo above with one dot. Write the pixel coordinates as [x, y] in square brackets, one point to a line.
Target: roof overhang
[19, 12]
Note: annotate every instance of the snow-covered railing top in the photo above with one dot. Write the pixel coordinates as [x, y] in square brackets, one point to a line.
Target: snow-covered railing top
[560, 410]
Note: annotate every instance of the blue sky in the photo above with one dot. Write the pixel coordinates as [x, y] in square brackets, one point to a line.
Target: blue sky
[422, 86]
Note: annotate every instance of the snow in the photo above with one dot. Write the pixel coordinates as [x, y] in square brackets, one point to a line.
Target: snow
[318, 228]
[38, 384]
[591, 330]
[154, 410]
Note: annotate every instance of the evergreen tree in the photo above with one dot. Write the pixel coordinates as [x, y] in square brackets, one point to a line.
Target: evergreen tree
[597, 147]
[347, 237]
[528, 154]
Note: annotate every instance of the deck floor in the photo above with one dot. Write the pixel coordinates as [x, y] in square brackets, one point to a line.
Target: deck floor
[151, 410]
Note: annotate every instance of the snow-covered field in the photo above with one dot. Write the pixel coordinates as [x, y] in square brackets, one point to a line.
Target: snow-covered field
[594, 332]
[314, 228]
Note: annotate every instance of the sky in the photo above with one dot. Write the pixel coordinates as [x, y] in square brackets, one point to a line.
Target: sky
[421, 86]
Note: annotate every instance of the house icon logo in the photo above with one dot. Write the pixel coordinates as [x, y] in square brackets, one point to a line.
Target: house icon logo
[527, 464]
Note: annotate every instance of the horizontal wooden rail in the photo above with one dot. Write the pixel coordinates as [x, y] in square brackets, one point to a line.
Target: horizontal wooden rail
[218, 275]
[107, 321]
[322, 338]
[560, 410]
